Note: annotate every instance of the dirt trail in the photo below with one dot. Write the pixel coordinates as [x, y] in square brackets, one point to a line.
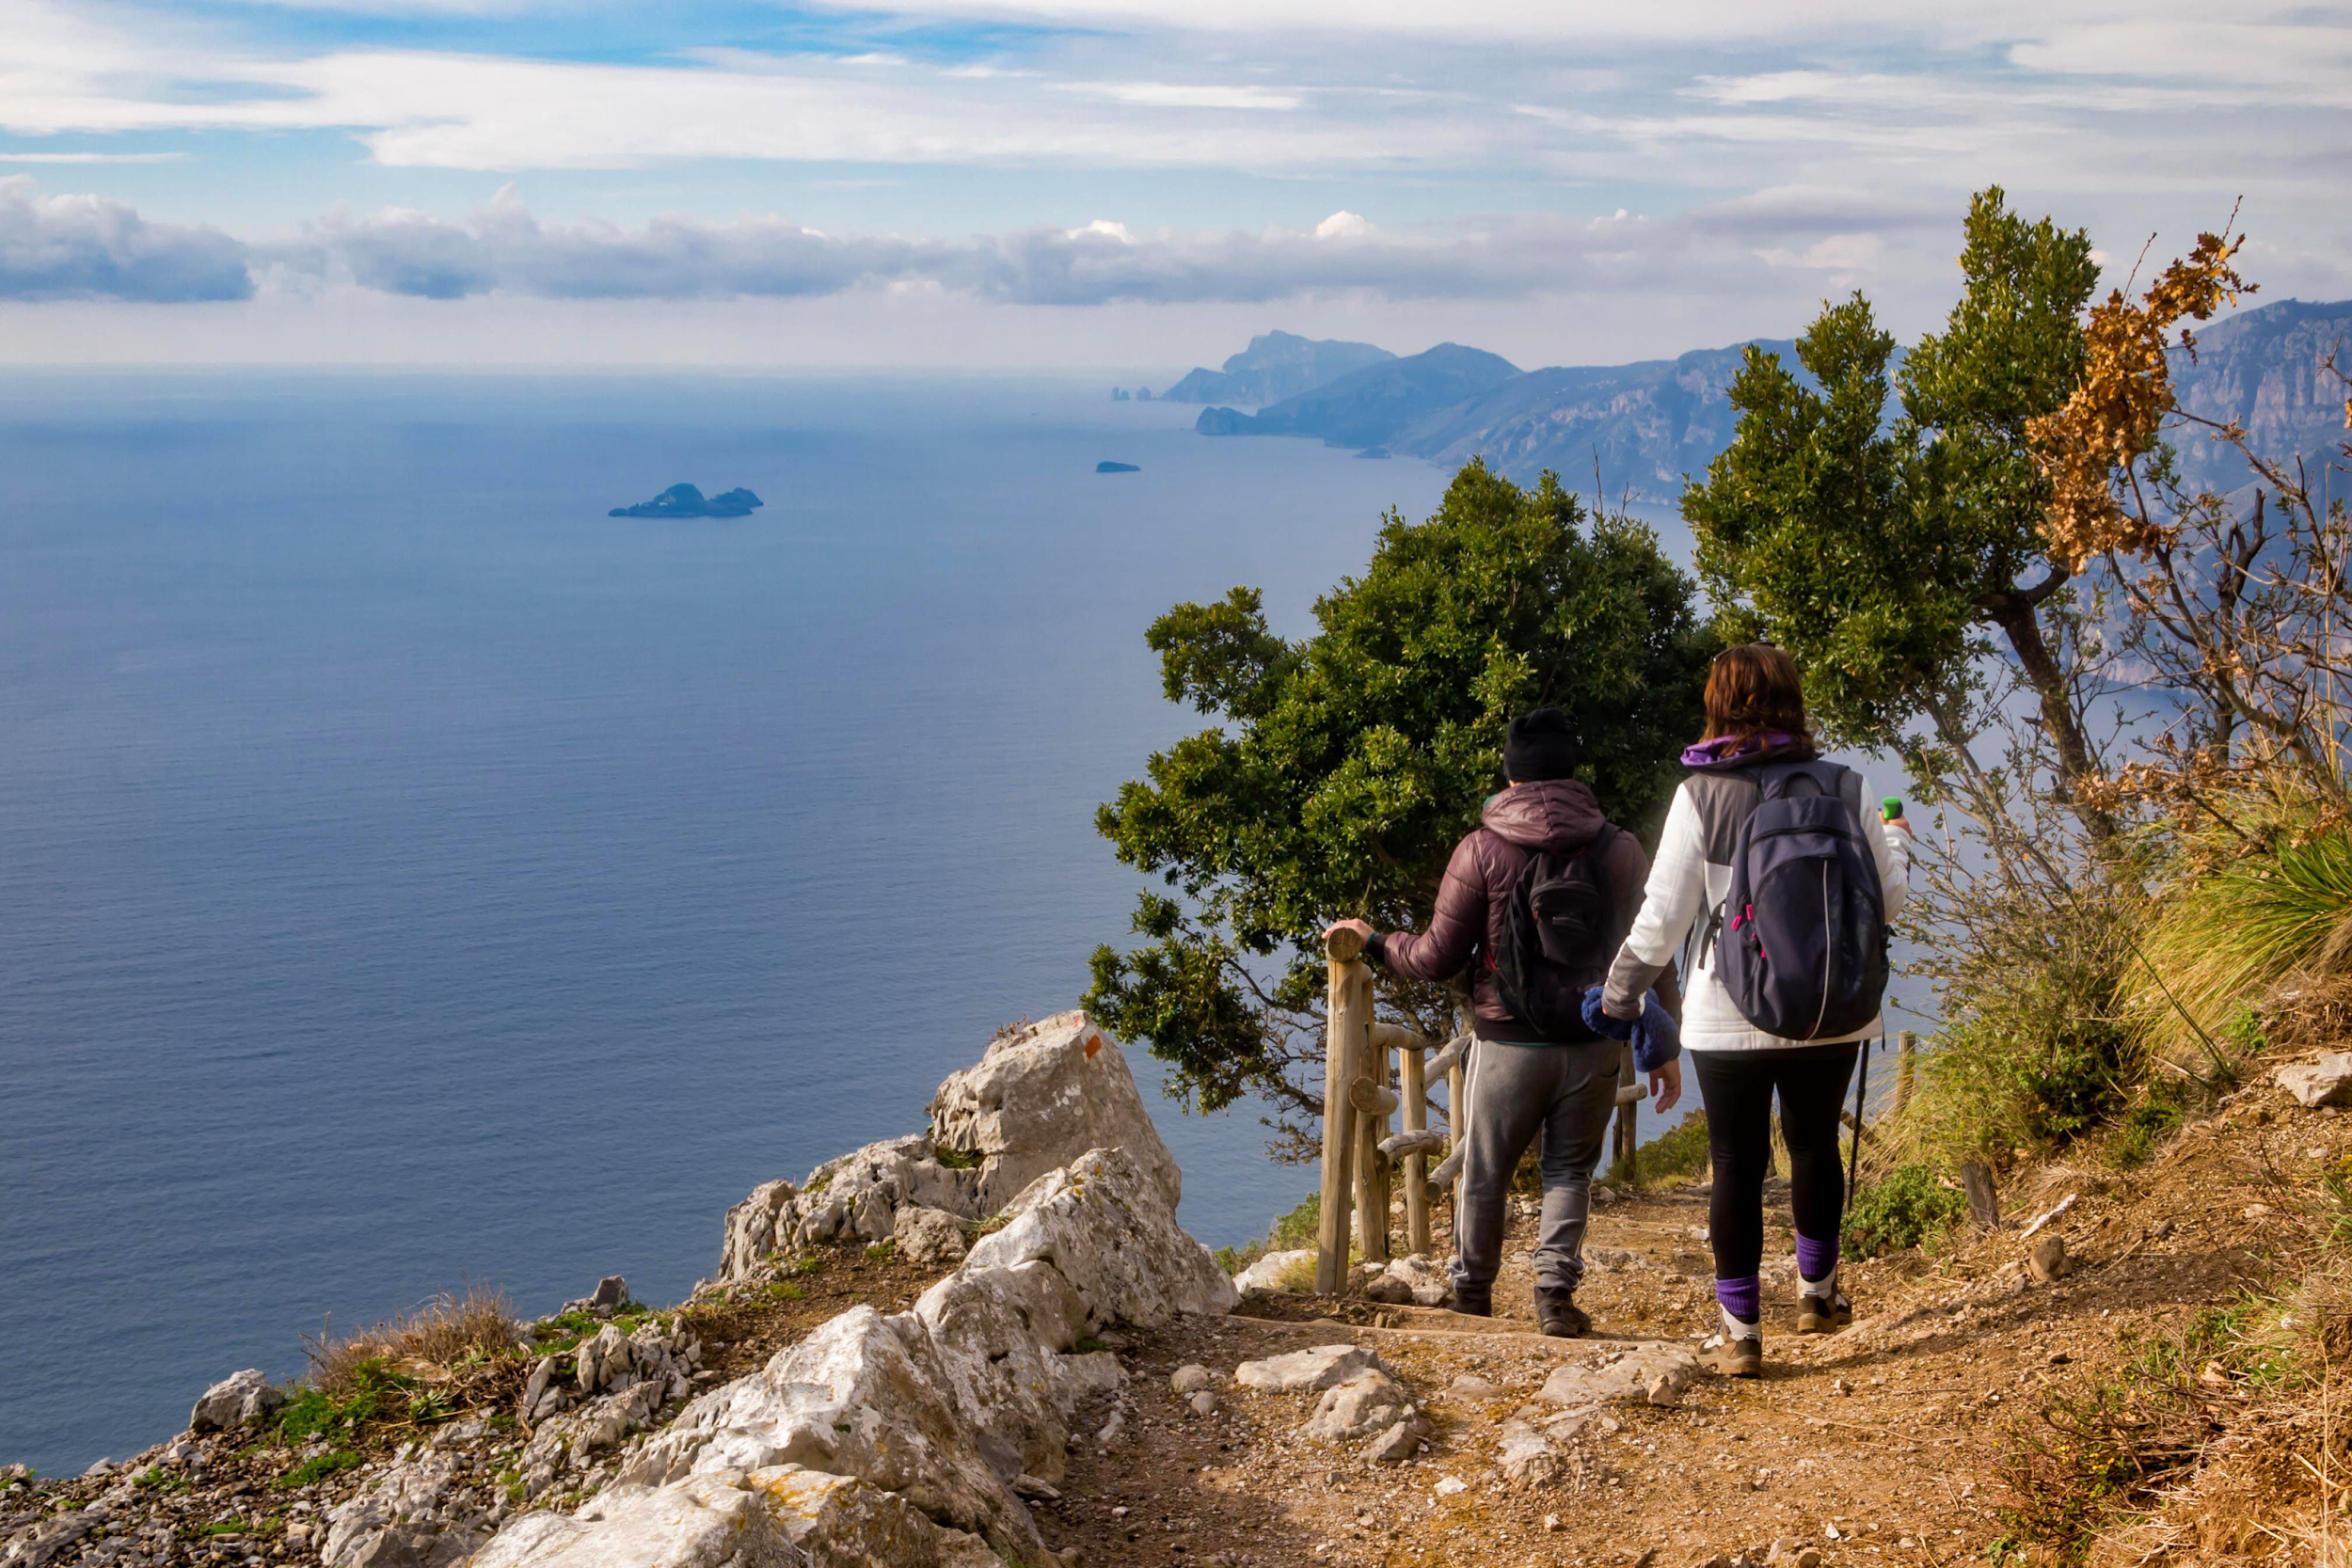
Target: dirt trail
[1875, 1446]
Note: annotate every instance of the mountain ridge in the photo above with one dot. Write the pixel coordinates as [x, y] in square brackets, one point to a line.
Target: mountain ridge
[1643, 428]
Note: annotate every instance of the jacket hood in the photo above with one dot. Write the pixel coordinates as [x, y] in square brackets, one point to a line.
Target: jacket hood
[1710, 756]
[1558, 814]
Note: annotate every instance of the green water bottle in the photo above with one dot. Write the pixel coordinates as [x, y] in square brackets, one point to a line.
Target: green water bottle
[1890, 808]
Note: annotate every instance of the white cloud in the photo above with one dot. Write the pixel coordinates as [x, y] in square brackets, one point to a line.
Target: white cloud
[92, 157]
[504, 250]
[1179, 95]
[83, 247]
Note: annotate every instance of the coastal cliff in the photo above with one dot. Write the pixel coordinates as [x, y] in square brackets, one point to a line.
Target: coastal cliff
[991, 1343]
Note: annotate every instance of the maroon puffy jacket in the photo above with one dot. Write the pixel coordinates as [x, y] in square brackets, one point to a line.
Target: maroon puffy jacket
[1559, 815]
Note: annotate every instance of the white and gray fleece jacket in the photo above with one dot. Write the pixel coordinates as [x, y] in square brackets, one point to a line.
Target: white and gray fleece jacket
[1690, 879]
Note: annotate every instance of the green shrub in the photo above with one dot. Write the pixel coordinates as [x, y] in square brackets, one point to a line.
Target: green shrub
[1288, 1233]
[1680, 1150]
[2154, 1118]
[1907, 1209]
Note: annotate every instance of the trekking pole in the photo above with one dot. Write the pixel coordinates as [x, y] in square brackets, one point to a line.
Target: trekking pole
[1861, 1088]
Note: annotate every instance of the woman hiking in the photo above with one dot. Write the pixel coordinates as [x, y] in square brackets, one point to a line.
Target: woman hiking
[1786, 982]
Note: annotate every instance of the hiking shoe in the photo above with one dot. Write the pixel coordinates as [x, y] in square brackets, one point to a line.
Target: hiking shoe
[1558, 1315]
[1824, 1314]
[1742, 1355]
[1474, 1301]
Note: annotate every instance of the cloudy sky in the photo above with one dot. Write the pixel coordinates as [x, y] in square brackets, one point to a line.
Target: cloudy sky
[1106, 183]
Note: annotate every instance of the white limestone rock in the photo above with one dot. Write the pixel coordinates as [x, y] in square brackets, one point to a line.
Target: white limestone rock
[752, 1228]
[1425, 1281]
[1652, 1371]
[234, 1400]
[931, 1236]
[2327, 1081]
[1279, 1271]
[1040, 1098]
[863, 1396]
[1110, 1232]
[396, 1517]
[1310, 1371]
[858, 1194]
[1366, 1404]
[703, 1522]
[999, 1335]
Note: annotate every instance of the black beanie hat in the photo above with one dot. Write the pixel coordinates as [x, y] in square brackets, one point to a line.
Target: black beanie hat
[1539, 747]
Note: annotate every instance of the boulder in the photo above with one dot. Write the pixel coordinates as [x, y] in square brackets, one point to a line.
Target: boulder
[1305, 1371]
[863, 1396]
[235, 1400]
[396, 1520]
[603, 1359]
[705, 1522]
[1043, 1096]
[1279, 1271]
[1425, 1281]
[751, 1228]
[999, 1335]
[1399, 1443]
[1652, 1371]
[2325, 1082]
[931, 1236]
[1111, 1233]
[610, 1293]
[1365, 1405]
[856, 1196]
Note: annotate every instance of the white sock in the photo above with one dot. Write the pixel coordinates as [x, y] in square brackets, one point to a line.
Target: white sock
[1825, 1287]
[1735, 1329]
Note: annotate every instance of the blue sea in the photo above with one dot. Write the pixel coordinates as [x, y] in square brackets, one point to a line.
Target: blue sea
[411, 875]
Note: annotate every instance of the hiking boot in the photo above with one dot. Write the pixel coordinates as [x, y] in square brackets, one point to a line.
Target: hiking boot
[1824, 1314]
[1474, 1301]
[1742, 1355]
[1558, 1315]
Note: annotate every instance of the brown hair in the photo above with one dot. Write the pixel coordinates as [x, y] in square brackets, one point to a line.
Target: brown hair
[1754, 690]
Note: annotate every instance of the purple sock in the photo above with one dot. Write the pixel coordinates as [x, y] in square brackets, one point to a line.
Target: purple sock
[1816, 1259]
[1741, 1298]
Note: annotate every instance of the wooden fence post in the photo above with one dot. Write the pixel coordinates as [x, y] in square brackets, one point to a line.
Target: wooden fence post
[1628, 1140]
[1372, 1166]
[1413, 1059]
[1906, 1065]
[1984, 1199]
[1348, 1018]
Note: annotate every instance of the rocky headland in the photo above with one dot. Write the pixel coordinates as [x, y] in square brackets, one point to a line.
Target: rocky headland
[990, 1343]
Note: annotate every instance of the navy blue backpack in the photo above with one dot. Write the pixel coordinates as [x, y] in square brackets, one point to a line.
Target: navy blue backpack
[1803, 949]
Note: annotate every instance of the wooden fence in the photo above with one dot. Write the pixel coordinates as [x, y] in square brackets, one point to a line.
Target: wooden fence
[1362, 1146]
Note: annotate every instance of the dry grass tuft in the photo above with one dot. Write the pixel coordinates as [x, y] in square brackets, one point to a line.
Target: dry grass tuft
[441, 1341]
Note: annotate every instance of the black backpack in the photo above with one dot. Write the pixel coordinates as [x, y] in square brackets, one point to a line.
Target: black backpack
[1801, 947]
[1557, 937]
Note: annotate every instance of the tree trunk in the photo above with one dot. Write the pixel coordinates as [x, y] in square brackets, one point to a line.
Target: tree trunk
[2060, 722]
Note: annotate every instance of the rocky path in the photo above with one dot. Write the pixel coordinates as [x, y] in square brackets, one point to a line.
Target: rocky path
[1876, 1446]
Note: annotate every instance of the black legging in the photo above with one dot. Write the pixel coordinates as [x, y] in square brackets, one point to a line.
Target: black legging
[1737, 1088]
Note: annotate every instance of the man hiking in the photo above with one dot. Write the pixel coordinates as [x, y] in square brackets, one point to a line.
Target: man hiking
[1534, 902]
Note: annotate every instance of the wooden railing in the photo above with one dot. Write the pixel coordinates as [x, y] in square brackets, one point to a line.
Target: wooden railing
[1361, 1145]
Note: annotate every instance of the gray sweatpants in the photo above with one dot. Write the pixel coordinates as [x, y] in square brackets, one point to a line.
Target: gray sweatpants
[1566, 1093]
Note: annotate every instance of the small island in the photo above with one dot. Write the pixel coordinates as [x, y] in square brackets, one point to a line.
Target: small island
[684, 501]
[1107, 466]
